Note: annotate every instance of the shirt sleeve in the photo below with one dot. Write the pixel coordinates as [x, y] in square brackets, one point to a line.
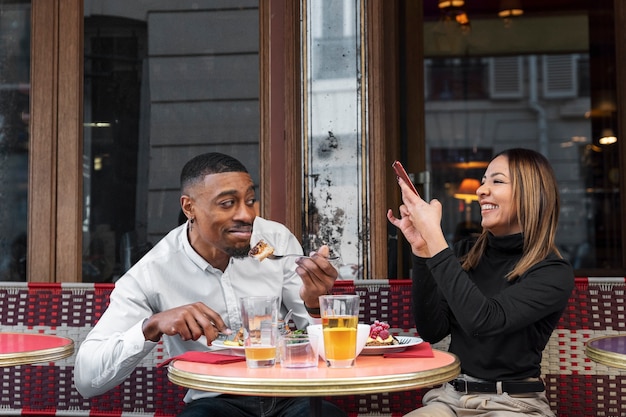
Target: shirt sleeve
[430, 308]
[109, 355]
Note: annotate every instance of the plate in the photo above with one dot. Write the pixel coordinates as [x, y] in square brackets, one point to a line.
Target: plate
[405, 342]
[220, 345]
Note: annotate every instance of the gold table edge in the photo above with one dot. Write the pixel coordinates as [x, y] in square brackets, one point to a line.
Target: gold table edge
[604, 357]
[37, 356]
[315, 387]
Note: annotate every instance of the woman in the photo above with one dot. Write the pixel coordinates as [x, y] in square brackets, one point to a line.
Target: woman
[498, 295]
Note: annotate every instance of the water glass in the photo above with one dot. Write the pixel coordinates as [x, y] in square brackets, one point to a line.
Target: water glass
[298, 351]
[260, 323]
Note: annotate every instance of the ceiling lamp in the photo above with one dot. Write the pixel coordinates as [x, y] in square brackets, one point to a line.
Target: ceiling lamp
[608, 137]
[451, 10]
[510, 8]
[446, 4]
[467, 190]
[462, 19]
[467, 193]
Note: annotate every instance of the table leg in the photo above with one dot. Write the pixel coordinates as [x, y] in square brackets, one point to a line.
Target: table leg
[316, 406]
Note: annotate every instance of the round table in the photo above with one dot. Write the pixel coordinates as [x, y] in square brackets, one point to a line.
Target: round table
[608, 350]
[29, 348]
[372, 374]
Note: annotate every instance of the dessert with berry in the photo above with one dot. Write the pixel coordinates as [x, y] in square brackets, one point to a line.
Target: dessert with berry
[380, 336]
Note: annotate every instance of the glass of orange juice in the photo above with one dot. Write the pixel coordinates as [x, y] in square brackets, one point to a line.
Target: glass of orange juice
[260, 323]
[340, 319]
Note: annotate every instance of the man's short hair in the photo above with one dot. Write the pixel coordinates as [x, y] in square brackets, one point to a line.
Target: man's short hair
[208, 163]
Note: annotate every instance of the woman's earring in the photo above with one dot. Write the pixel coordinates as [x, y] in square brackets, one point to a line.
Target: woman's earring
[191, 220]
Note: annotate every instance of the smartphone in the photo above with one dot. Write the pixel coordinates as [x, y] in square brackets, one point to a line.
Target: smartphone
[401, 172]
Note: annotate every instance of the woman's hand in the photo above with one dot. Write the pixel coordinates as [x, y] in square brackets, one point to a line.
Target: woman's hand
[420, 223]
[411, 234]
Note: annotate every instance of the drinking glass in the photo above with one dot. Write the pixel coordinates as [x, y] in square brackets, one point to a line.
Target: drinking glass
[298, 351]
[260, 323]
[340, 319]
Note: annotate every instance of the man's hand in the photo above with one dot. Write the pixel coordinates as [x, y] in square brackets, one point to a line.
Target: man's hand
[189, 322]
[318, 276]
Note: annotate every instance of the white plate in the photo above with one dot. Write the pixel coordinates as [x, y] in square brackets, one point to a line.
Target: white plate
[220, 344]
[405, 342]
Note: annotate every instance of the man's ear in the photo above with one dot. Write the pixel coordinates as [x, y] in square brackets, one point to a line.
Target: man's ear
[186, 204]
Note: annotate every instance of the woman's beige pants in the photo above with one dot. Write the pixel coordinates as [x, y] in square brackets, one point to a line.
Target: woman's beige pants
[446, 402]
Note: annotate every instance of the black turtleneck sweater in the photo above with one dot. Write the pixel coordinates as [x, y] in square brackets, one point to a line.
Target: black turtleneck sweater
[498, 328]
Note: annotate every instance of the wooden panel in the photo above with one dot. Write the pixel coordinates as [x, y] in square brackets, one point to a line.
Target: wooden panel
[281, 135]
[55, 177]
[201, 122]
[200, 33]
[204, 78]
[292, 158]
[267, 120]
[42, 164]
[69, 143]
[292, 102]
[378, 167]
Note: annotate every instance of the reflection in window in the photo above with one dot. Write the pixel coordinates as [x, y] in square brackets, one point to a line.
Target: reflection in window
[457, 79]
[164, 82]
[14, 137]
[113, 69]
[554, 99]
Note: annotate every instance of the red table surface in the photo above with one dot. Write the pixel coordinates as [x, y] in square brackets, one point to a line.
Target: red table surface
[367, 366]
[27, 342]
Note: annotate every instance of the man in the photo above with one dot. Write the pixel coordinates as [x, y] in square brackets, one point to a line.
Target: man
[186, 290]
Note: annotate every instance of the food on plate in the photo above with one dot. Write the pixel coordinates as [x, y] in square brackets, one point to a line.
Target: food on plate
[261, 250]
[237, 341]
[380, 336]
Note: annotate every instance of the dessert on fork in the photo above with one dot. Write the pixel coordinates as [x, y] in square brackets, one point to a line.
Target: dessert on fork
[261, 250]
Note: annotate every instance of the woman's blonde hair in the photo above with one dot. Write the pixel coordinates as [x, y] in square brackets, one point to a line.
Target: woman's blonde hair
[536, 194]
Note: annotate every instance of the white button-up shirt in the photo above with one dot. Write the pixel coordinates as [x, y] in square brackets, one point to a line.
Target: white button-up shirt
[170, 275]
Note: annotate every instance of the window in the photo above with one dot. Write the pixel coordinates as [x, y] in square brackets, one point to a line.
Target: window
[14, 137]
[537, 96]
[162, 85]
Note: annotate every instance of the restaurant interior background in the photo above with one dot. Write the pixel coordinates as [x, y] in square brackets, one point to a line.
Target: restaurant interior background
[164, 81]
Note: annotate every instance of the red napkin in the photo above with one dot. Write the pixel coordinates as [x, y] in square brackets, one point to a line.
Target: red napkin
[205, 357]
[423, 350]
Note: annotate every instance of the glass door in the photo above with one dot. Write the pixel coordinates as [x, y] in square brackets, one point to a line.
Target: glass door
[15, 30]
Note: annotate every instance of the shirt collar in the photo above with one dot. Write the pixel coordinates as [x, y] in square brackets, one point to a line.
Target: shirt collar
[191, 252]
